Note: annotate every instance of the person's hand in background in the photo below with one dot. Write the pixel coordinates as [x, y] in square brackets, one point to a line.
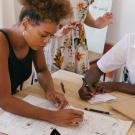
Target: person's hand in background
[66, 29]
[104, 20]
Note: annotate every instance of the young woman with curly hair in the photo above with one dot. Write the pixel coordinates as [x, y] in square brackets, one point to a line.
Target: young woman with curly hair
[19, 46]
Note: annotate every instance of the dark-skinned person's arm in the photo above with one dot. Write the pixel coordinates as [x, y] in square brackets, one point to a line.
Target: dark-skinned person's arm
[115, 86]
[111, 61]
[92, 77]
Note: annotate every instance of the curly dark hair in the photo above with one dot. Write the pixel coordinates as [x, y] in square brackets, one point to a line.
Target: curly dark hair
[92, 1]
[39, 10]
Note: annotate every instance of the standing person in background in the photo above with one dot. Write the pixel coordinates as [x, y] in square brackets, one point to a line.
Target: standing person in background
[70, 51]
[19, 46]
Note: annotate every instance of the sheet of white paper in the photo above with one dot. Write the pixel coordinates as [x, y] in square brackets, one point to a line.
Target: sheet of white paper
[17, 125]
[102, 98]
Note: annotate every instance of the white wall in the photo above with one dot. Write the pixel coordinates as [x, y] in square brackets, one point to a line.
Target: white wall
[124, 20]
[18, 8]
[1, 13]
[9, 11]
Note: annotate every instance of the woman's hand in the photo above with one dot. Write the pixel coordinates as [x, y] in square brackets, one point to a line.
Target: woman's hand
[104, 20]
[65, 29]
[86, 93]
[66, 117]
[57, 98]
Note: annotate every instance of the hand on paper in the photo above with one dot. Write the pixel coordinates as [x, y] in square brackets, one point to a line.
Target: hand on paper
[67, 118]
[86, 93]
[57, 98]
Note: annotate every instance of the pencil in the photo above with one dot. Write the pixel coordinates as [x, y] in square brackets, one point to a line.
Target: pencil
[98, 111]
[62, 87]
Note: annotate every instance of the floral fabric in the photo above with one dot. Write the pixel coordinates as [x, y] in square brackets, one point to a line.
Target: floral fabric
[70, 52]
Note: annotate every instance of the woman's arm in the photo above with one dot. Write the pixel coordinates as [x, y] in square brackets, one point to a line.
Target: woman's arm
[17, 106]
[45, 80]
[116, 86]
[100, 22]
[43, 74]
[9, 102]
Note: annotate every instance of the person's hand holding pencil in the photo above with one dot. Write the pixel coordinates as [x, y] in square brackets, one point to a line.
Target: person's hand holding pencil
[86, 92]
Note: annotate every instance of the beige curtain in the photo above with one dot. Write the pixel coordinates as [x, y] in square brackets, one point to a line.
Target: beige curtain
[1, 13]
[9, 12]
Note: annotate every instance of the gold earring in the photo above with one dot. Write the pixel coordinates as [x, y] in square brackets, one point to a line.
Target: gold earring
[23, 33]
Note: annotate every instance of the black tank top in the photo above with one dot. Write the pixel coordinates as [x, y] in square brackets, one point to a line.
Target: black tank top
[19, 70]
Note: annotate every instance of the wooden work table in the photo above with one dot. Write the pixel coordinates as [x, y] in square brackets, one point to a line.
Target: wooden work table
[72, 83]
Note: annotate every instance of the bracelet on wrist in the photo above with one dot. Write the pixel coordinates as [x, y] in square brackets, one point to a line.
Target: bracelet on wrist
[85, 84]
